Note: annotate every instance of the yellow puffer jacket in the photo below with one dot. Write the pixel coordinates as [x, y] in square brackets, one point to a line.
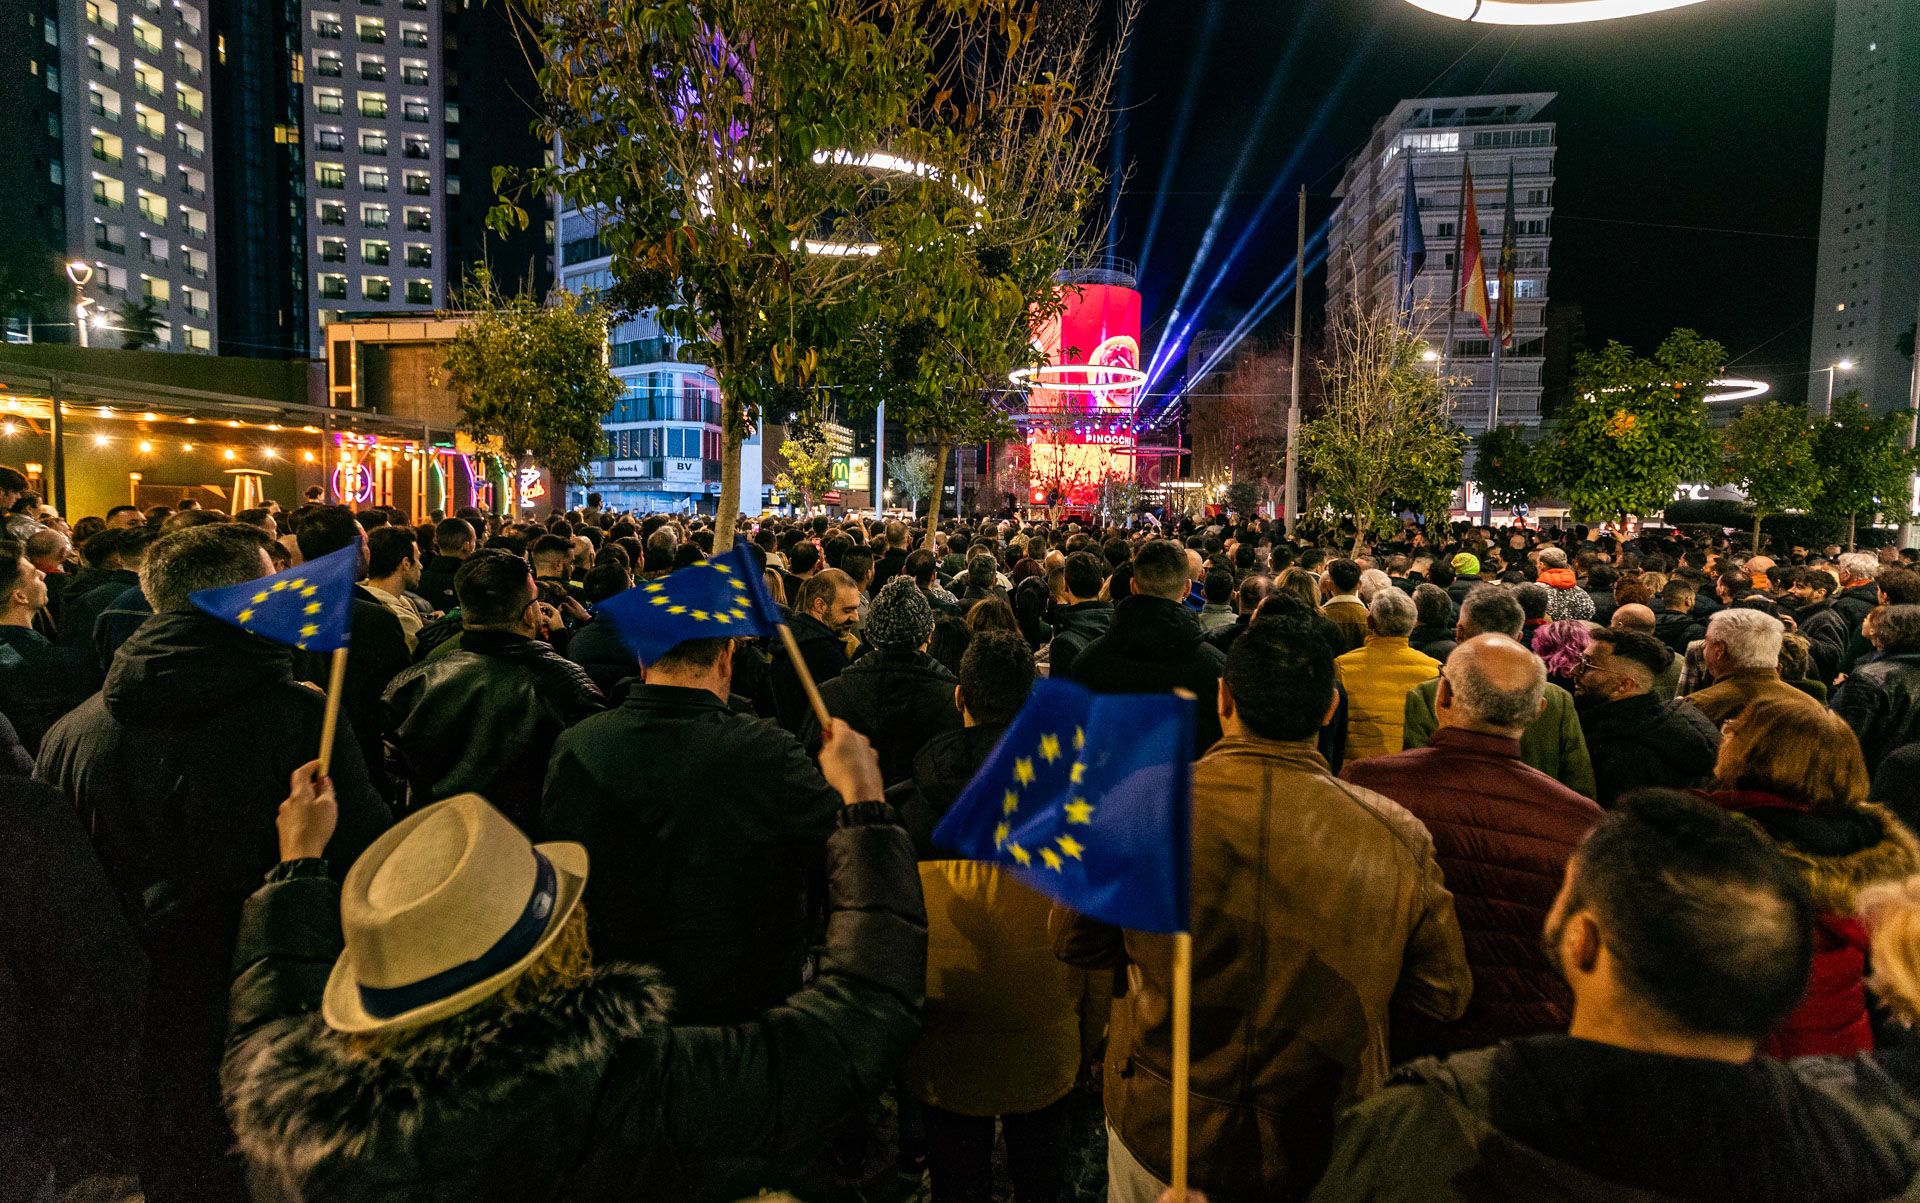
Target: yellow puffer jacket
[1377, 678]
[1001, 1032]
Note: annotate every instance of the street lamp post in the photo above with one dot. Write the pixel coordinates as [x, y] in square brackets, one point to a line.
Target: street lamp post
[1845, 365]
[79, 272]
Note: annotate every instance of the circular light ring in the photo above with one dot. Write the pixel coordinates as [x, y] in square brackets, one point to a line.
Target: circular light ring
[1079, 378]
[1737, 389]
[879, 163]
[1546, 12]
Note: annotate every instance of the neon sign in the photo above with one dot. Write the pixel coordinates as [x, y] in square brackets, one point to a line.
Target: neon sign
[361, 481]
[531, 487]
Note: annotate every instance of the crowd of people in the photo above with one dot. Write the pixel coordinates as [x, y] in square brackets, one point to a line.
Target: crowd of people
[1557, 864]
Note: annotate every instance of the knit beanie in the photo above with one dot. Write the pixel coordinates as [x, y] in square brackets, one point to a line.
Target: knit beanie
[1467, 564]
[900, 618]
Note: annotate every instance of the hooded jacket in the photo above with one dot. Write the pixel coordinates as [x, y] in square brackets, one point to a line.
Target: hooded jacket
[1002, 1032]
[1566, 598]
[1643, 743]
[1155, 646]
[1837, 852]
[584, 1093]
[177, 768]
[1555, 1119]
[898, 699]
[1074, 627]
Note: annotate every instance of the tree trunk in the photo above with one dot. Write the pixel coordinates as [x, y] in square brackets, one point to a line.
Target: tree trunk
[733, 434]
[942, 449]
[1359, 535]
[1756, 532]
[1852, 519]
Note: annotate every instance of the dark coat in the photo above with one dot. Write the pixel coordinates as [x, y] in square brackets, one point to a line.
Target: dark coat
[1675, 629]
[1074, 627]
[596, 647]
[87, 599]
[1856, 603]
[380, 651]
[1896, 785]
[1560, 1120]
[825, 656]
[897, 699]
[1603, 605]
[1644, 743]
[1502, 833]
[1155, 646]
[1826, 630]
[1881, 702]
[483, 720]
[704, 827]
[1462, 585]
[71, 978]
[1437, 642]
[40, 682]
[178, 767]
[941, 772]
[436, 582]
[581, 1094]
[887, 567]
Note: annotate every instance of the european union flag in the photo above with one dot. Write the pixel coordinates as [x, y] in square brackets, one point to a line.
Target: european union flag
[723, 597]
[309, 607]
[1087, 798]
[1196, 596]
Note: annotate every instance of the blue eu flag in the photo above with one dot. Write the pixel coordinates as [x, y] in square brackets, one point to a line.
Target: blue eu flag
[723, 597]
[309, 607]
[1087, 798]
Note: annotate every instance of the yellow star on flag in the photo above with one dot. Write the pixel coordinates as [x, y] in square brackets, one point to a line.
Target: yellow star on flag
[662, 600]
[1079, 738]
[1079, 811]
[1050, 748]
[676, 609]
[699, 615]
[244, 615]
[314, 607]
[309, 591]
[1010, 803]
[1079, 771]
[1020, 854]
[259, 597]
[1000, 834]
[1071, 846]
[1023, 770]
[309, 631]
[1051, 859]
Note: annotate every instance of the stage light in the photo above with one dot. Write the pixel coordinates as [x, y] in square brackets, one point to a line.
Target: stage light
[1196, 63]
[228, 453]
[1736, 389]
[99, 440]
[1546, 12]
[186, 446]
[145, 446]
[307, 455]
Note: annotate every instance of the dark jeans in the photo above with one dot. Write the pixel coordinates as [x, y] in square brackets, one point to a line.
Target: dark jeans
[960, 1154]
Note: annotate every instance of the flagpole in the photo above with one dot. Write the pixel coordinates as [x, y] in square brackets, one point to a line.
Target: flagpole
[330, 725]
[1182, 1055]
[1293, 391]
[806, 679]
[1493, 421]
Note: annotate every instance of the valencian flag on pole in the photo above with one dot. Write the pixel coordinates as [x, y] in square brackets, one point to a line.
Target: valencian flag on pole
[1509, 259]
[309, 607]
[1413, 241]
[719, 598]
[1473, 272]
[1086, 798]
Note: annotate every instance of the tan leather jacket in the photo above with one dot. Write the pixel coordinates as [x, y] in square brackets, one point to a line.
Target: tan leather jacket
[1316, 904]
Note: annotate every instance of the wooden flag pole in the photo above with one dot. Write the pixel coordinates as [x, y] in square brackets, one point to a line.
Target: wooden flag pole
[1182, 1053]
[806, 679]
[336, 685]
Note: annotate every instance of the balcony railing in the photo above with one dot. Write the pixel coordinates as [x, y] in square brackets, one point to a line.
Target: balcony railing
[190, 190]
[148, 90]
[146, 172]
[328, 68]
[107, 244]
[419, 188]
[102, 199]
[418, 152]
[197, 272]
[112, 160]
[195, 149]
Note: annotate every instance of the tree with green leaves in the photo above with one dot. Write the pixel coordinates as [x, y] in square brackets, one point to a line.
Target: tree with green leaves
[1636, 428]
[1770, 456]
[532, 377]
[139, 323]
[912, 472]
[1506, 467]
[1384, 436]
[1243, 497]
[809, 472]
[1863, 463]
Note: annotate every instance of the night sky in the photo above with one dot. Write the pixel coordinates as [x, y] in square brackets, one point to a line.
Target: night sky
[1691, 145]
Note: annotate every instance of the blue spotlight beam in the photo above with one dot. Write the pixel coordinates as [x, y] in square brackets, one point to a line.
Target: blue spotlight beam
[1117, 164]
[1269, 100]
[1159, 367]
[1196, 64]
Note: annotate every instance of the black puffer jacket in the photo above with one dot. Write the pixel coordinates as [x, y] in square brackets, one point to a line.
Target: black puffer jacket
[1642, 743]
[1881, 702]
[380, 652]
[705, 828]
[825, 656]
[483, 719]
[178, 767]
[897, 699]
[585, 1093]
[1074, 627]
[1675, 629]
[1155, 646]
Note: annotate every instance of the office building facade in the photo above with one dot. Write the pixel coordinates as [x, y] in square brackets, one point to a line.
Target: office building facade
[1433, 138]
[1867, 288]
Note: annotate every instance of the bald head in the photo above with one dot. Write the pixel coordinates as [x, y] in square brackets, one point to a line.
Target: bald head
[1633, 617]
[1491, 684]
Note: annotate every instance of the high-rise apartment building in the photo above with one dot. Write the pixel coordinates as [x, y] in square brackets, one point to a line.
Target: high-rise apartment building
[378, 135]
[1433, 138]
[489, 81]
[138, 171]
[663, 437]
[33, 169]
[1867, 288]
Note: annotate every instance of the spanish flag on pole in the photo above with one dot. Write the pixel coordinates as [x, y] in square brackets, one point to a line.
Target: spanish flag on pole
[1473, 271]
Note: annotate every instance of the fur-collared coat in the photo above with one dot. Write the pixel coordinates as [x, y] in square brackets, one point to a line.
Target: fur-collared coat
[584, 1093]
[1838, 852]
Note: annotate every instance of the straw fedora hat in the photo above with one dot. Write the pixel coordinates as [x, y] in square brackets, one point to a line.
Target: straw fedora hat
[445, 909]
